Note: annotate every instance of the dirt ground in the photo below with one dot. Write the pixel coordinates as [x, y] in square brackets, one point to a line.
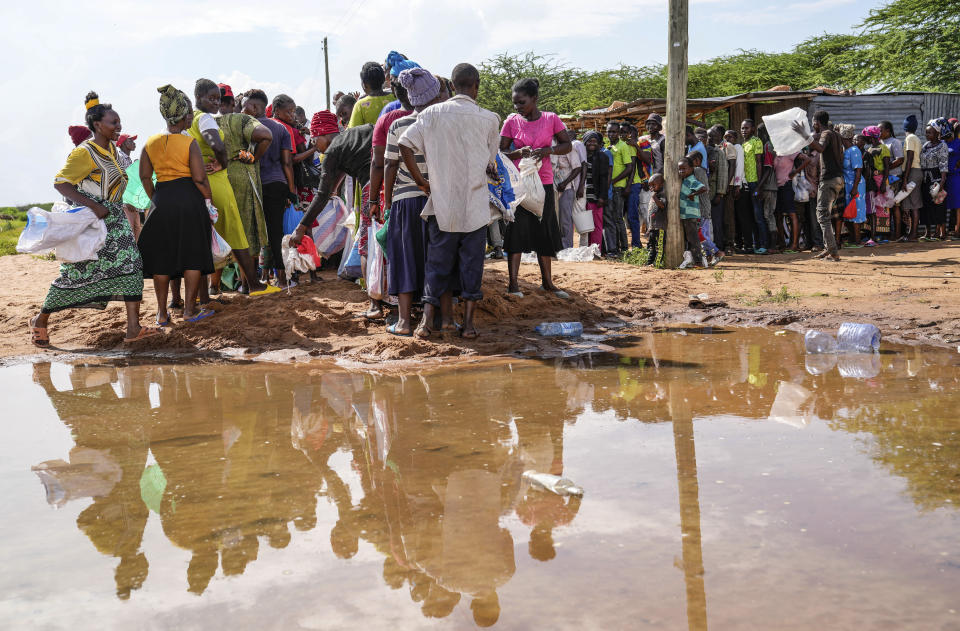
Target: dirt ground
[909, 290]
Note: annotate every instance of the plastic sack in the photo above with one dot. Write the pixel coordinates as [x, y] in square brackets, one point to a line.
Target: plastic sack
[382, 232]
[291, 219]
[579, 255]
[376, 265]
[512, 174]
[330, 234]
[298, 259]
[75, 233]
[219, 246]
[786, 141]
[531, 194]
[350, 262]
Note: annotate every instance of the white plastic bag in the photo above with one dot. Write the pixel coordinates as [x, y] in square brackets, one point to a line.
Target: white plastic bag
[515, 185]
[75, 233]
[531, 195]
[376, 265]
[219, 246]
[579, 255]
[779, 126]
[345, 270]
[293, 259]
[582, 216]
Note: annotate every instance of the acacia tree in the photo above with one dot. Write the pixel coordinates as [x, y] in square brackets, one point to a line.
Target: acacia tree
[913, 45]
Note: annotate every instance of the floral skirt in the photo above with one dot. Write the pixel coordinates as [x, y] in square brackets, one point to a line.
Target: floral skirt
[117, 274]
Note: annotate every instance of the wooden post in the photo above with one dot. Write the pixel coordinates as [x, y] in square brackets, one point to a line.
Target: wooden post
[326, 69]
[675, 126]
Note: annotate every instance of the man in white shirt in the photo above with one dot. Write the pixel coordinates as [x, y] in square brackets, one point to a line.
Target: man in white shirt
[459, 140]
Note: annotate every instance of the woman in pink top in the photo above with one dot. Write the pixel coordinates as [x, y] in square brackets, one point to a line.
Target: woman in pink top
[531, 133]
[785, 168]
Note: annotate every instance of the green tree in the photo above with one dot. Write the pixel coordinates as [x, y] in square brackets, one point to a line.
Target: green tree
[914, 45]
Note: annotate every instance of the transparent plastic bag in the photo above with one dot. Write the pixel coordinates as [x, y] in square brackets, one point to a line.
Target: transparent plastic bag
[219, 246]
[532, 194]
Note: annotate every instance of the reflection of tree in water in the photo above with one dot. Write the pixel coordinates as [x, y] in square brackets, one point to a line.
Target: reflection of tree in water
[916, 437]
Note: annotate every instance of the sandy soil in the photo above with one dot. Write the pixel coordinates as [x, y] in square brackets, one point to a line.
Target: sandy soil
[910, 291]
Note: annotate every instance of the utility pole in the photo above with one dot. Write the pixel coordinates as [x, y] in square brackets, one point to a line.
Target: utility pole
[326, 68]
[676, 126]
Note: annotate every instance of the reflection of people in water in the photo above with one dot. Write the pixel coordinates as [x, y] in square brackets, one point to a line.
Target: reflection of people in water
[113, 430]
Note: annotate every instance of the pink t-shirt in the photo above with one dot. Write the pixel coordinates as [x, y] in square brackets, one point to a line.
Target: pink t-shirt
[534, 134]
[783, 165]
[383, 123]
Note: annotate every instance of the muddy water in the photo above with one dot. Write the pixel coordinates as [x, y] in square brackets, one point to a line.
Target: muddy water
[728, 485]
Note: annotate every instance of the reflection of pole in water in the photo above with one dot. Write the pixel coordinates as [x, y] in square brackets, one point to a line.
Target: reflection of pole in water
[689, 510]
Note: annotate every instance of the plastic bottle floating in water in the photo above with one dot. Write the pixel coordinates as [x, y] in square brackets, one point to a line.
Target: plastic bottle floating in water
[819, 343]
[552, 483]
[560, 329]
[863, 338]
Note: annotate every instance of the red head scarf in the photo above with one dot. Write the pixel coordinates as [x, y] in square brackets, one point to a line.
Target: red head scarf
[78, 133]
[324, 122]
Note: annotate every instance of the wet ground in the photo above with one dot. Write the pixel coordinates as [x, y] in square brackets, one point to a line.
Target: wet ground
[729, 484]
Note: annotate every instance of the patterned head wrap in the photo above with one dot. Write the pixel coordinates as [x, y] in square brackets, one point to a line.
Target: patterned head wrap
[174, 104]
[78, 133]
[323, 123]
[872, 131]
[910, 124]
[421, 86]
[592, 135]
[846, 130]
[942, 125]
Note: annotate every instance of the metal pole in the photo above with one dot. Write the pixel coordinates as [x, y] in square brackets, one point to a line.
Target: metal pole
[326, 69]
[676, 126]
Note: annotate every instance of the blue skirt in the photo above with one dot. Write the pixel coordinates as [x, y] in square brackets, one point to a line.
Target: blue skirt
[406, 247]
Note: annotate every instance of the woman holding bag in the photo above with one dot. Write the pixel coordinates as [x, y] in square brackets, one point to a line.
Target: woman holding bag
[175, 240]
[532, 133]
[93, 178]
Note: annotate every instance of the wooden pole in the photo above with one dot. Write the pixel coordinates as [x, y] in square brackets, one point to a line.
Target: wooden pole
[326, 69]
[675, 127]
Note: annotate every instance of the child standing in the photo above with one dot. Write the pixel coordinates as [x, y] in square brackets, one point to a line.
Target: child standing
[690, 188]
[657, 211]
[704, 227]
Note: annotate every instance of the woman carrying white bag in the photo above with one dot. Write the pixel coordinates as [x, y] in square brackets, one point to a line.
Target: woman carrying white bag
[93, 178]
[536, 226]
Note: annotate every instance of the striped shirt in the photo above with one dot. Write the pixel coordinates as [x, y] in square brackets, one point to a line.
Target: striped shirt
[404, 187]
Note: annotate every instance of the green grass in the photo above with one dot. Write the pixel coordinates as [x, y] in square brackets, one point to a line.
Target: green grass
[12, 221]
[636, 256]
[768, 297]
[718, 275]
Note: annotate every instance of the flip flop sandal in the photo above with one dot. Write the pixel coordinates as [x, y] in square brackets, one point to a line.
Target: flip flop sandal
[423, 332]
[469, 335]
[165, 322]
[516, 294]
[145, 331]
[454, 328]
[392, 330]
[373, 316]
[39, 335]
[271, 289]
[202, 314]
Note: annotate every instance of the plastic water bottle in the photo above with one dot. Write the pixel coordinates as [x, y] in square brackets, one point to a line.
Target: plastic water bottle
[818, 342]
[560, 329]
[859, 365]
[862, 338]
[552, 483]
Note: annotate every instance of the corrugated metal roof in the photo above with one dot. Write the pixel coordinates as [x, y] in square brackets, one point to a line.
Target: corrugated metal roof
[862, 110]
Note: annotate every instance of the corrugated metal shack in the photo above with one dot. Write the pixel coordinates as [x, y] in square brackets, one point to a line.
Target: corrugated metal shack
[859, 109]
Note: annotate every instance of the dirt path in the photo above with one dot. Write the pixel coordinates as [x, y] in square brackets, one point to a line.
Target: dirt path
[910, 292]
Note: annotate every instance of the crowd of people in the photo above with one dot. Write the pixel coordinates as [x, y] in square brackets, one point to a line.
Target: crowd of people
[422, 162]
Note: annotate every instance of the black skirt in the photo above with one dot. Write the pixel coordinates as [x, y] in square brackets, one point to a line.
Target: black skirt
[176, 235]
[529, 234]
[931, 214]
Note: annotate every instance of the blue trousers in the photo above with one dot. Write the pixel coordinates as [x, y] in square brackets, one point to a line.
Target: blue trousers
[453, 256]
[633, 214]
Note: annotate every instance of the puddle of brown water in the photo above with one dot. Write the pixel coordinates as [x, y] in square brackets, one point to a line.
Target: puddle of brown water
[726, 487]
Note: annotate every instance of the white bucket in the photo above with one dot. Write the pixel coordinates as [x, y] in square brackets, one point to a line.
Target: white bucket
[582, 217]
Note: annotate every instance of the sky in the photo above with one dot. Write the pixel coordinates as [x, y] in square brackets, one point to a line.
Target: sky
[57, 51]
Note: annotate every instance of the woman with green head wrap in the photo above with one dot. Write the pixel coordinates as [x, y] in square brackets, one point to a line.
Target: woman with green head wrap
[175, 240]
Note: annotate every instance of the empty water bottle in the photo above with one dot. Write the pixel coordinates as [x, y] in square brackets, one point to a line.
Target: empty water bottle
[552, 483]
[560, 329]
[859, 365]
[818, 342]
[862, 338]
